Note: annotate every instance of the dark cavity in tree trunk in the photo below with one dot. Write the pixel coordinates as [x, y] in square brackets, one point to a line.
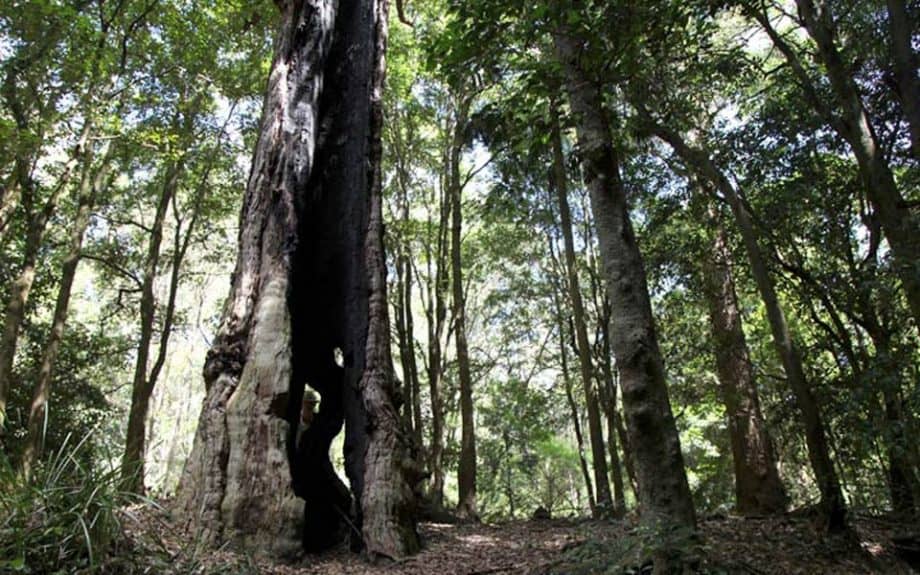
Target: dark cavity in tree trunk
[308, 306]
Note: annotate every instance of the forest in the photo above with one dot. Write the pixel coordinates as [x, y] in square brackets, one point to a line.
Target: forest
[459, 286]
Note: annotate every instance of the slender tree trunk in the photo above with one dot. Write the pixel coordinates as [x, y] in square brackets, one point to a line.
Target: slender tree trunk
[832, 502]
[905, 68]
[132, 462]
[22, 285]
[570, 400]
[609, 397]
[667, 507]
[899, 224]
[851, 121]
[399, 307]
[309, 287]
[466, 475]
[599, 459]
[903, 482]
[38, 411]
[758, 489]
[436, 313]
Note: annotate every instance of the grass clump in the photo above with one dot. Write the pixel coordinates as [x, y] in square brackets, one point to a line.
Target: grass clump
[64, 519]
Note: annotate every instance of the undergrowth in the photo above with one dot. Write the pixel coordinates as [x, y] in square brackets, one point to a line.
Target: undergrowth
[64, 519]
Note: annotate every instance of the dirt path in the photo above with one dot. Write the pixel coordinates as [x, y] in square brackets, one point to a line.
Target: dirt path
[786, 545]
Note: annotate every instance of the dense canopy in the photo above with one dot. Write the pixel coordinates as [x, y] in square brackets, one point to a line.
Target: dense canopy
[303, 275]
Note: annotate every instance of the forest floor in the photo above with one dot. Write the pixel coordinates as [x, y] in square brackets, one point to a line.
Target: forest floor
[787, 545]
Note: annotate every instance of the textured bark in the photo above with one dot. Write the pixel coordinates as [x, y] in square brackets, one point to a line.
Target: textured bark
[308, 286]
[832, 502]
[664, 493]
[604, 505]
[38, 410]
[390, 472]
[466, 474]
[758, 489]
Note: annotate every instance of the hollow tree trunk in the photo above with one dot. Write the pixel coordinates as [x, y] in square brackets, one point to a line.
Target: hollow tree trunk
[758, 489]
[604, 505]
[664, 492]
[466, 474]
[309, 288]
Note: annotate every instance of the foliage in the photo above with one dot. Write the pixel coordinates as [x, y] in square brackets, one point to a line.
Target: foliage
[65, 519]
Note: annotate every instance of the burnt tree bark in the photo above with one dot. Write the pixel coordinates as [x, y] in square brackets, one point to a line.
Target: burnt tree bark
[308, 306]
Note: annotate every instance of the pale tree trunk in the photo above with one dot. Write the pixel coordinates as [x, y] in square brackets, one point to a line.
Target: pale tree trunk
[609, 399]
[850, 119]
[758, 489]
[436, 315]
[905, 69]
[832, 502]
[466, 474]
[38, 410]
[306, 290]
[604, 505]
[666, 504]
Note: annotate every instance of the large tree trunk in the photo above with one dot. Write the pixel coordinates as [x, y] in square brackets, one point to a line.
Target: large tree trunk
[309, 287]
[664, 492]
[832, 502]
[604, 505]
[758, 489]
[466, 474]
